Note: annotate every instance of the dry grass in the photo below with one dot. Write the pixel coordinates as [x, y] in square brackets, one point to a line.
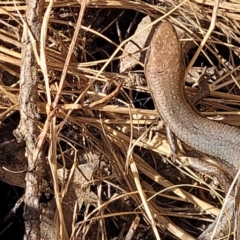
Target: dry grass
[120, 134]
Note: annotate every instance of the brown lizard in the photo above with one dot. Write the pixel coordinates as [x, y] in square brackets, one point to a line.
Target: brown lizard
[165, 71]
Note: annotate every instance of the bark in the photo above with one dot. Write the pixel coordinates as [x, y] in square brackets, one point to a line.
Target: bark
[27, 129]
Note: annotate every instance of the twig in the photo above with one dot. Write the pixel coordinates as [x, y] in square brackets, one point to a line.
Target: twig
[211, 28]
[133, 228]
[107, 98]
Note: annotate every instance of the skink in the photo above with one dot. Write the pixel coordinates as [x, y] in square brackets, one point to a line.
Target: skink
[164, 71]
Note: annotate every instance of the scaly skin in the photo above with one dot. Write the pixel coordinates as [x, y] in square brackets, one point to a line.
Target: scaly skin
[164, 71]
